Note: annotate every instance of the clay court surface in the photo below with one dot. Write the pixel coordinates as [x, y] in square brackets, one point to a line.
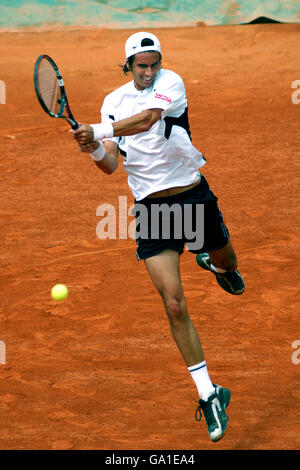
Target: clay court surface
[100, 370]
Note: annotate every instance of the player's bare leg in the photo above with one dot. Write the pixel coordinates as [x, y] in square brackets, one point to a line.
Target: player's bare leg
[165, 274]
[225, 258]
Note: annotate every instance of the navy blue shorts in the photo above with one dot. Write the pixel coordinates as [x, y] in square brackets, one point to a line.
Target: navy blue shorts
[191, 218]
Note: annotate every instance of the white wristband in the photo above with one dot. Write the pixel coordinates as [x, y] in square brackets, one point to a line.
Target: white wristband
[103, 130]
[99, 153]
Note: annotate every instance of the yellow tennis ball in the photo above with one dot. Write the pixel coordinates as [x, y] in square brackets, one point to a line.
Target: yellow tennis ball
[59, 292]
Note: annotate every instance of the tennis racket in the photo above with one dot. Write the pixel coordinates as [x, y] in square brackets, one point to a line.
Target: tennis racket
[50, 90]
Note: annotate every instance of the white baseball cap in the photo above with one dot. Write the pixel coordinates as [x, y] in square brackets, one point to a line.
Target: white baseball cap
[134, 43]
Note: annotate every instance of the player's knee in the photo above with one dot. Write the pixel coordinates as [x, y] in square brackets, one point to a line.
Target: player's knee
[175, 308]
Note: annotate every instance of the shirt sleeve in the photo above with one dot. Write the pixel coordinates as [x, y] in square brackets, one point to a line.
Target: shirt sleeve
[169, 95]
[108, 114]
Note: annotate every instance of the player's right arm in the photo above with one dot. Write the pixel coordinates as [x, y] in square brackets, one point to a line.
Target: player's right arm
[140, 122]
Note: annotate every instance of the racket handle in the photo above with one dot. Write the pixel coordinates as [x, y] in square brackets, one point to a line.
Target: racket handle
[75, 125]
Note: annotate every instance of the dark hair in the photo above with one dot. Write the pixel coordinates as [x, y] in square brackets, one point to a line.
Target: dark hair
[130, 60]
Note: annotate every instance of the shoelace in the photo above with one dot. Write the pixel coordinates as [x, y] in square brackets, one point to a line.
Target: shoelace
[207, 414]
[198, 414]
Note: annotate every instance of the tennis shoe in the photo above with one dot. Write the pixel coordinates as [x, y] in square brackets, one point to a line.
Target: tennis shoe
[231, 281]
[214, 412]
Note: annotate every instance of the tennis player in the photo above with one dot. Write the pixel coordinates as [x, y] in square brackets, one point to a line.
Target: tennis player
[146, 120]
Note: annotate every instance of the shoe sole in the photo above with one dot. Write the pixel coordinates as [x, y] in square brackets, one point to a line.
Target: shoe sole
[222, 283]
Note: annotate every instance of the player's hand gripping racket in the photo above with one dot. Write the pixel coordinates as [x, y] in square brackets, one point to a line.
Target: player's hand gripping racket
[50, 90]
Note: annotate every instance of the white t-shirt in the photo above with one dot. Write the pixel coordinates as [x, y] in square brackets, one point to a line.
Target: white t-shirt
[164, 156]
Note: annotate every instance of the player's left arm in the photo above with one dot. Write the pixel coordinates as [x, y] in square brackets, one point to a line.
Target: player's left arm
[105, 154]
[135, 124]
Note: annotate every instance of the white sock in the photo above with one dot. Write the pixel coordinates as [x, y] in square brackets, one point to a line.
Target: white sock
[201, 378]
[217, 270]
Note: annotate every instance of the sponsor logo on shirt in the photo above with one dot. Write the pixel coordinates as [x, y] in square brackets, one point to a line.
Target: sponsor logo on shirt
[163, 97]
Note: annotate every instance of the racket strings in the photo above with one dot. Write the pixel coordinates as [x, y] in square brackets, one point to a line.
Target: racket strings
[49, 86]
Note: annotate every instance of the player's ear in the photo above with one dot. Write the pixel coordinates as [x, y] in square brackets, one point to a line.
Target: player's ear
[128, 66]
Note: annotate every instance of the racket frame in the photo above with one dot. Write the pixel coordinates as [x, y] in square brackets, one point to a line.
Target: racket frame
[64, 104]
